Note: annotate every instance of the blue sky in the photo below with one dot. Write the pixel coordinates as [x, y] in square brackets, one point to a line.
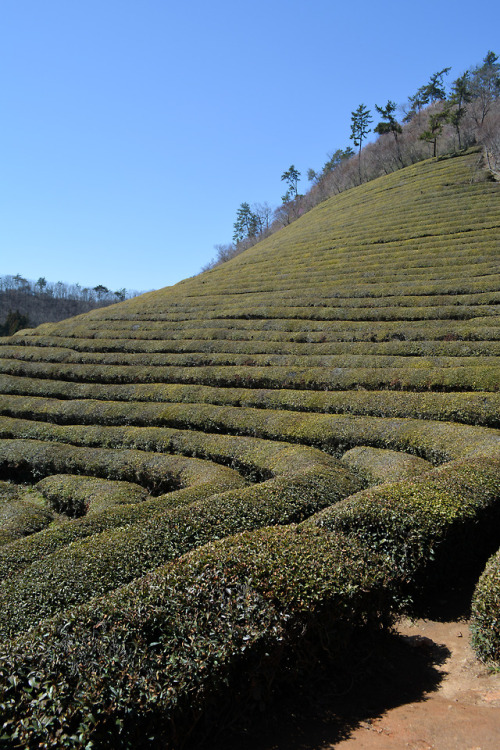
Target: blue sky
[131, 130]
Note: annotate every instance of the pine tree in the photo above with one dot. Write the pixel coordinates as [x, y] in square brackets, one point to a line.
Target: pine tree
[246, 224]
[291, 176]
[389, 124]
[360, 121]
[460, 96]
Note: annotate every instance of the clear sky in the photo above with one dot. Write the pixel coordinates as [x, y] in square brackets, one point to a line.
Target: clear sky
[131, 130]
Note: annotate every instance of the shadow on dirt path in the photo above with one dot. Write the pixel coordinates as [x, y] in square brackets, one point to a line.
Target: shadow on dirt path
[419, 688]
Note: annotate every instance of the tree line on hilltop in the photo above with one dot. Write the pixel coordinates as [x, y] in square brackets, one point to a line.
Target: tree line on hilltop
[433, 122]
[25, 303]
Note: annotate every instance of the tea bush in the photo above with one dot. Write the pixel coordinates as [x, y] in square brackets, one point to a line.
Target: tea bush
[377, 465]
[485, 619]
[446, 514]
[76, 496]
[94, 565]
[212, 632]
[23, 511]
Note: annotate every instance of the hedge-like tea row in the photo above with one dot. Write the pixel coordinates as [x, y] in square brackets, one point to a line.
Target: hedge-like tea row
[287, 463]
[211, 632]
[253, 343]
[296, 580]
[450, 510]
[77, 496]
[22, 512]
[475, 378]
[471, 408]
[435, 441]
[485, 618]
[96, 564]
[341, 313]
[256, 459]
[480, 328]
[378, 465]
[321, 294]
[217, 359]
[31, 459]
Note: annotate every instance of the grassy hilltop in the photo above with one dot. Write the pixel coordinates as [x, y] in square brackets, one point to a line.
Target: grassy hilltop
[208, 487]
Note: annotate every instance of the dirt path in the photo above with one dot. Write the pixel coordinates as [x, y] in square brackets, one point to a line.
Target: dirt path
[463, 713]
[425, 691]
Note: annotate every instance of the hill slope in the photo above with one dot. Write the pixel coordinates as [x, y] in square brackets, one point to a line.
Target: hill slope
[330, 396]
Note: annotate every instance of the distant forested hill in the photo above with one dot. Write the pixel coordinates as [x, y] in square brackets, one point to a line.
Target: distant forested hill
[27, 304]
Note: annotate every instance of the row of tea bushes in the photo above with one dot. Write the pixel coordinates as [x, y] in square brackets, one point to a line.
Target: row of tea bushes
[219, 359]
[28, 460]
[478, 378]
[443, 518]
[435, 441]
[28, 549]
[198, 639]
[321, 295]
[327, 308]
[272, 310]
[262, 328]
[245, 345]
[77, 496]
[441, 506]
[23, 511]
[341, 313]
[256, 459]
[479, 408]
[485, 618]
[472, 279]
[288, 464]
[377, 465]
[95, 564]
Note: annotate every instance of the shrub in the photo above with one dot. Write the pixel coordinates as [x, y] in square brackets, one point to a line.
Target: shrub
[33, 459]
[485, 614]
[441, 519]
[23, 511]
[98, 563]
[77, 496]
[377, 465]
[202, 638]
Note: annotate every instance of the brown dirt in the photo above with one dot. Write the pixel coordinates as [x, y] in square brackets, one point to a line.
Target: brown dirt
[419, 689]
[462, 713]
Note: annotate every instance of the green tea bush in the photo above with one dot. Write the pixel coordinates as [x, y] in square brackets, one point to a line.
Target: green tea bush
[435, 441]
[479, 408]
[96, 564]
[23, 511]
[440, 519]
[378, 465]
[31, 459]
[245, 358]
[257, 342]
[255, 458]
[240, 329]
[77, 496]
[205, 637]
[477, 378]
[485, 614]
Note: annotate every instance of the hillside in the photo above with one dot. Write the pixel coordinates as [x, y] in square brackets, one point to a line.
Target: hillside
[210, 487]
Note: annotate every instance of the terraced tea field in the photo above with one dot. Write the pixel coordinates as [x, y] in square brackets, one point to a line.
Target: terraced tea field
[207, 488]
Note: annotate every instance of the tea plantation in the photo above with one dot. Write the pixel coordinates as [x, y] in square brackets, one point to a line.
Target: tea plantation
[207, 489]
